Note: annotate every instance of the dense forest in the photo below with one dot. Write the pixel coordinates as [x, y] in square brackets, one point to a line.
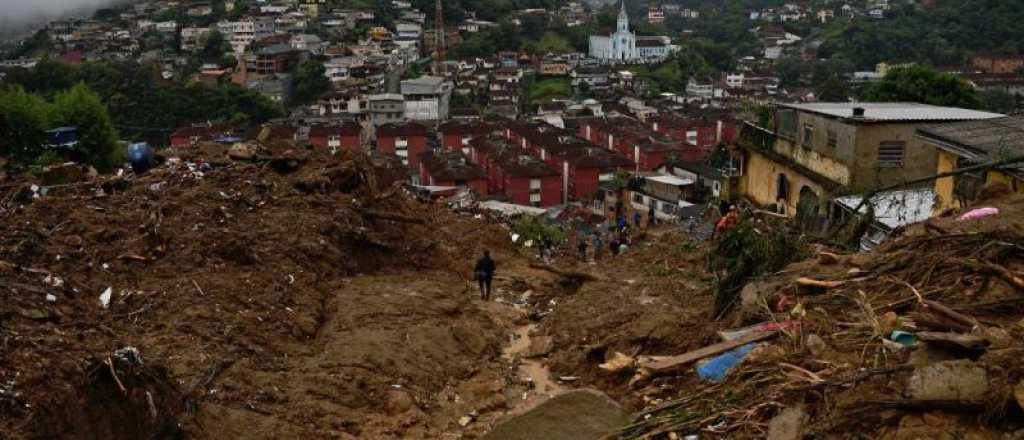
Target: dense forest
[944, 35]
[141, 105]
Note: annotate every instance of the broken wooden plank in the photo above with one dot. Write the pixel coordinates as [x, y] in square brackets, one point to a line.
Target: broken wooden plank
[811, 282]
[954, 341]
[658, 364]
[400, 218]
[946, 312]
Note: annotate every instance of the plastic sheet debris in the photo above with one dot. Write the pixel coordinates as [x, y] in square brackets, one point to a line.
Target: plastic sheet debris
[718, 367]
[128, 355]
[903, 338]
[105, 297]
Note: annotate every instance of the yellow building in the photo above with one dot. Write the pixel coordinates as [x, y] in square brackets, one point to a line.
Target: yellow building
[819, 151]
[964, 144]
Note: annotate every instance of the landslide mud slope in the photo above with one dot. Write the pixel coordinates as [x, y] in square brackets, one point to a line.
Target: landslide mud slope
[306, 297]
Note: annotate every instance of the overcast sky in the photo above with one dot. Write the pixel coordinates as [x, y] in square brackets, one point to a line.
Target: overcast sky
[20, 15]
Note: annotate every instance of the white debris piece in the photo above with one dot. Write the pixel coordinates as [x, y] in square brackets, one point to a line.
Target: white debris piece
[51, 298]
[105, 297]
[54, 281]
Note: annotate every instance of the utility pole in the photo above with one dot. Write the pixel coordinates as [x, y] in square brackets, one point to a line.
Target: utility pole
[439, 40]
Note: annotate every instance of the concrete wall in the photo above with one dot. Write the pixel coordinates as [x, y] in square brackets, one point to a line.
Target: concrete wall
[919, 160]
[760, 183]
[853, 161]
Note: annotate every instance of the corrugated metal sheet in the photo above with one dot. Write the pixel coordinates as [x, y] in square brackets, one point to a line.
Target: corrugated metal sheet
[894, 111]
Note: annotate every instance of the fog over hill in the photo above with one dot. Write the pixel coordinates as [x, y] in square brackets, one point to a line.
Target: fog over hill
[17, 16]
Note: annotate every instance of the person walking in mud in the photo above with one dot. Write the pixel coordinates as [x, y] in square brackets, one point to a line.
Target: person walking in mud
[484, 273]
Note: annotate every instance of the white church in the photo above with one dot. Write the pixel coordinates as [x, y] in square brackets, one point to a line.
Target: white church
[624, 47]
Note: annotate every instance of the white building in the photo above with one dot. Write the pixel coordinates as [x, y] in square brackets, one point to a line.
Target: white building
[169, 27]
[619, 46]
[191, 37]
[426, 98]
[623, 46]
[307, 43]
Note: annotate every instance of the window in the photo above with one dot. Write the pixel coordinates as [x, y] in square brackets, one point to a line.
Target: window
[833, 138]
[786, 120]
[808, 134]
[534, 185]
[637, 198]
[782, 188]
[890, 154]
[668, 209]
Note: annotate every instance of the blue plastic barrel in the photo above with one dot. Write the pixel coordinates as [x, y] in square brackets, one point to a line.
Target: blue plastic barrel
[140, 156]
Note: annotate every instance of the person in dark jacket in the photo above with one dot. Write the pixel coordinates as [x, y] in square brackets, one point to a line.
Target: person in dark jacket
[484, 273]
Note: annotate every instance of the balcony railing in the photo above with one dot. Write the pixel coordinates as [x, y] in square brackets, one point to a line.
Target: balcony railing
[756, 137]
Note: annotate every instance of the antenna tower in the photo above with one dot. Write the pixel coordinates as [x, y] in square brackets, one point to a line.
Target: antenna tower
[439, 39]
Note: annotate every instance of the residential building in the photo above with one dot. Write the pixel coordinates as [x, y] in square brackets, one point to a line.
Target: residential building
[998, 64]
[276, 59]
[646, 148]
[964, 144]
[452, 169]
[277, 88]
[192, 136]
[818, 150]
[426, 98]
[513, 172]
[655, 14]
[386, 108]
[406, 140]
[456, 134]
[336, 138]
[307, 43]
[595, 77]
[666, 194]
[199, 9]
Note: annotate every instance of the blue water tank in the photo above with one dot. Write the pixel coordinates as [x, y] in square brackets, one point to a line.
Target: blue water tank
[140, 156]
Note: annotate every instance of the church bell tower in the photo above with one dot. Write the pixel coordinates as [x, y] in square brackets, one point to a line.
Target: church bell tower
[623, 19]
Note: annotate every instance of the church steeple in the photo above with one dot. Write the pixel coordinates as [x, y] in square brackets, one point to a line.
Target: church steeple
[623, 18]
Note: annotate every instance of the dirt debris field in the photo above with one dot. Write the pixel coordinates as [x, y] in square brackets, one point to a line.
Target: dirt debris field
[276, 299]
[288, 295]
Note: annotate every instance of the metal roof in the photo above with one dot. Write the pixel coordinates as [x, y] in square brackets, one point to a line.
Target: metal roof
[896, 208]
[979, 140]
[670, 180]
[893, 111]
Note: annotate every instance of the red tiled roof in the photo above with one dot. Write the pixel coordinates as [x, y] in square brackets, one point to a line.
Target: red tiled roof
[450, 166]
[402, 129]
[350, 129]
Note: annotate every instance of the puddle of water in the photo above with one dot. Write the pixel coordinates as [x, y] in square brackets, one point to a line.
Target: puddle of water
[531, 369]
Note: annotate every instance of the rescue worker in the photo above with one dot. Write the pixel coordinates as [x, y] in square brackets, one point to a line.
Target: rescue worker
[484, 273]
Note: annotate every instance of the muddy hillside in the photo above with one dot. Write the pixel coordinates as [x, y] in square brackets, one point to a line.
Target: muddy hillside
[285, 296]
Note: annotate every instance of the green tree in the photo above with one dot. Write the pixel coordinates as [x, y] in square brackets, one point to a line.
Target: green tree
[923, 85]
[790, 69]
[97, 139]
[834, 89]
[998, 101]
[24, 118]
[213, 47]
[309, 82]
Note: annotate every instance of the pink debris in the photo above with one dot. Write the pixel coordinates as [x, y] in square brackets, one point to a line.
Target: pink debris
[975, 214]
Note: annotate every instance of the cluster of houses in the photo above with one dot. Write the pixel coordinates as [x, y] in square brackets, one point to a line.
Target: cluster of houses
[818, 159]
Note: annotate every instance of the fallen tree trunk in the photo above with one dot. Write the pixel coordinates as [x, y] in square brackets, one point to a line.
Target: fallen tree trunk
[393, 217]
[581, 276]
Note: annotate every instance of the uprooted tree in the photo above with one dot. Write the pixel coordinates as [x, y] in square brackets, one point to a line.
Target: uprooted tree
[749, 250]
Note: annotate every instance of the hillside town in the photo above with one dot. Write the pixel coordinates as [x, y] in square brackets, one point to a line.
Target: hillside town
[285, 219]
